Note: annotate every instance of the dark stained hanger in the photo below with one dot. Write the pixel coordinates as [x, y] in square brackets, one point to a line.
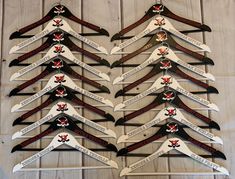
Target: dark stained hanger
[162, 66]
[164, 11]
[65, 122]
[162, 37]
[58, 64]
[58, 10]
[171, 128]
[173, 98]
[67, 94]
[62, 38]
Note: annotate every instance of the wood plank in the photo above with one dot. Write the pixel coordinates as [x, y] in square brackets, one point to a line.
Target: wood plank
[105, 14]
[222, 41]
[16, 15]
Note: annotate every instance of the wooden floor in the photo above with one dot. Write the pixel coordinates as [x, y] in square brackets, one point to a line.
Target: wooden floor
[113, 15]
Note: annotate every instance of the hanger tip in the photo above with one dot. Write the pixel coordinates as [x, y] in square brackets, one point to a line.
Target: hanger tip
[15, 35]
[16, 135]
[122, 138]
[109, 117]
[104, 76]
[115, 37]
[212, 89]
[115, 49]
[120, 121]
[119, 106]
[15, 108]
[104, 32]
[17, 121]
[214, 125]
[13, 92]
[13, 63]
[118, 79]
[17, 147]
[14, 76]
[115, 64]
[208, 61]
[111, 133]
[16, 168]
[105, 62]
[219, 154]
[218, 140]
[206, 28]
[213, 106]
[113, 164]
[125, 171]
[104, 89]
[122, 152]
[119, 93]
[210, 76]
[112, 147]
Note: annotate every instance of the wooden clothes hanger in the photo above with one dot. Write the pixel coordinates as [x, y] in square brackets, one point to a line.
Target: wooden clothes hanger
[55, 51]
[58, 10]
[62, 38]
[58, 80]
[67, 94]
[170, 128]
[171, 97]
[68, 139]
[63, 108]
[168, 145]
[163, 53]
[170, 82]
[166, 113]
[53, 25]
[163, 11]
[165, 66]
[64, 122]
[161, 23]
[57, 65]
[161, 38]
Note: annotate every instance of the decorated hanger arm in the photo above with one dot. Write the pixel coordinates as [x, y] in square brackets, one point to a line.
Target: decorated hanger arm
[55, 81]
[158, 84]
[52, 26]
[68, 139]
[163, 52]
[63, 93]
[25, 56]
[166, 25]
[49, 28]
[165, 65]
[171, 128]
[169, 144]
[172, 97]
[73, 113]
[60, 108]
[55, 11]
[58, 64]
[53, 52]
[62, 38]
[68, 55]
[134, 114]
[49, 55]
[162, 10]
[163, 37]
[163, 115]
[65, 122]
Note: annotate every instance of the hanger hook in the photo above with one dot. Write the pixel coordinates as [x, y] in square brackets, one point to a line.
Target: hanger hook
[159, 1]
